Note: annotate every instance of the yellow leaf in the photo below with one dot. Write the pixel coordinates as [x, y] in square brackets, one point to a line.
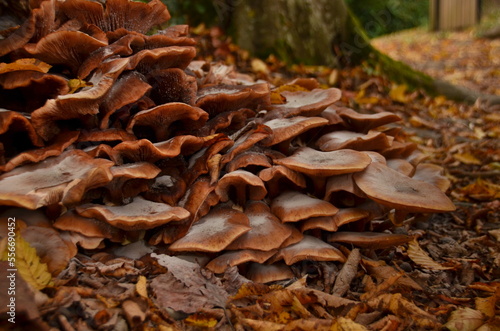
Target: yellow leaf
[75, 84]
[201, 321]
[29, 266]
[346, 324]
[277, 98]
[141, 287]
[465, 319]
[259, 66]
[466, 158]
[398, 93]
[25, 64]
[420, 257]
[486, 305]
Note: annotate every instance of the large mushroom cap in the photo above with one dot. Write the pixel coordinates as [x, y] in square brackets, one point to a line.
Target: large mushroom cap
[213, 232]
[293, 206]
[315, 163]
[140, 214]
[309, 248]
[393, 189]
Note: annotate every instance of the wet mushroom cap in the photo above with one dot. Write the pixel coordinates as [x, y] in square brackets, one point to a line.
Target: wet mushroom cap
[393, 189]
[309, 248]
[230, 259]
[213, 232]
[293, 206]
[140, 214]
[315, 163]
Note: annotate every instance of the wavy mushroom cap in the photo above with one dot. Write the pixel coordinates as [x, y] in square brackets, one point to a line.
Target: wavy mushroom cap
[371, 141]
[332, 223]
[229, 259]
[214, 231]
[140, 214]
[309, 248]
[293, 206]
[305, 103]
[395, 190]
[240, 186]
[285, 129]
[358, 122]
[323, 164]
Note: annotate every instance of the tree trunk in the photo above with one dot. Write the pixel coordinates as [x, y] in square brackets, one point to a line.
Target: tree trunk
[323, 32]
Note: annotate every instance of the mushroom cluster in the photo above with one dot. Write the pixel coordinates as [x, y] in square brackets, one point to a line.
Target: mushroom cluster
[113, 136]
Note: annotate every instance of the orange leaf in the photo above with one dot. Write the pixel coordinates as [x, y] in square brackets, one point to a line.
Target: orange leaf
[420, 257]
[466, 158]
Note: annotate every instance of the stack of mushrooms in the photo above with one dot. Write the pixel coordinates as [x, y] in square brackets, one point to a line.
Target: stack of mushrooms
[109, 135]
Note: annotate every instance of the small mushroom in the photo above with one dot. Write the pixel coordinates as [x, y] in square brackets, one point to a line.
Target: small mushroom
[267, 273]
[293, 206]
[140, 214]
[267, 231]
[373, 240]
[240, 186]
[332, 223]
[309, 248]
[279, 178]
[371, 141]
[214, 231]
[357, 121]
[229, 259]
[305, 103]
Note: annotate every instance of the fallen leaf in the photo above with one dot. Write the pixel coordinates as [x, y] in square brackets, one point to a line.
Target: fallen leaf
[420, 257]
[28, 264]
[398, 93]
[259, 66]
[487, 305]
[465, 319]
[347, 273]
[141, 286]
[185, 288]
[75, 84]
[466, 158]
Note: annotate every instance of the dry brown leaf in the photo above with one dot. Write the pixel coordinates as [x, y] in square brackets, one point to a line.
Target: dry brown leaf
[420, 257]
[347, 273]
[466, 158]
[465, 319]
[487, 305]
[346, 324]
[185, 288]
[400, 306]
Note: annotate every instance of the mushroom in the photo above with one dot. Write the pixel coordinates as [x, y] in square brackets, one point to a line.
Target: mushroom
[357, 121]
[172, 85]
[309, 248]
[267, 273]
[279, 178]
[371, 141]
[293, 206]
[304, 103]
[267, 232]
[240, 186]
[395, 190]
[62, 179]
[229, 259]
[332, 223]
[140, 214]
[319, 165]
[373, 240]
[164, 120]
[214, 231]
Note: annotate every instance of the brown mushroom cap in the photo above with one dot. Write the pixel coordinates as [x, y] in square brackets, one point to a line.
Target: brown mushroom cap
[266, 273]
[140, 214]
[395, 190]
[222, 98]
[285, 129]
[214, 231]
[357, 121]
[305, 103]
[250, 159]
[432, 174]
[402, 166]
[61, 142]
[230, 259]
[373, 240]
[371, 141]
[91, 227]
[67, 48]
[309, 248]
[332, 223]
[161, 119]
[243, 184]
[126, 14]
[63, 179]
[315, 163]
[77, 105]
[279, 178]
[293, 206]
[149, 60]
[267, 231]
[172, 85]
